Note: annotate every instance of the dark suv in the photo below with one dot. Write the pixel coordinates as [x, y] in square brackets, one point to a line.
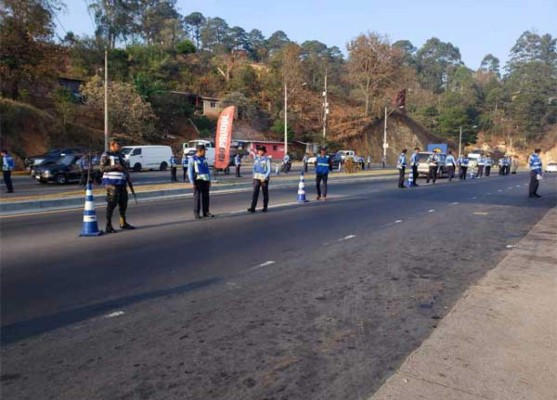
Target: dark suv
[31, 163]
[61, 171]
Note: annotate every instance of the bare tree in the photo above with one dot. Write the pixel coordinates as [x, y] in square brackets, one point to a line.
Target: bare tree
[373, 65]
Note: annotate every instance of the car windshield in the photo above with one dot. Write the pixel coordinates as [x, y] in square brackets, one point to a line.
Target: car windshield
[65, 160]
[423, 157]
[126, 150]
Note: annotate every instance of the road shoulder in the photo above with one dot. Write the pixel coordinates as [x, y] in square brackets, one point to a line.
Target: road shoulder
[499, 341]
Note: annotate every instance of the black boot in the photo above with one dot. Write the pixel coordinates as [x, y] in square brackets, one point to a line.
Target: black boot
[109, 228]
[124, 224]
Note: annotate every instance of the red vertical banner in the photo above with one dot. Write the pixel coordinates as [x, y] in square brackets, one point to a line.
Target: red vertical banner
[224, 137]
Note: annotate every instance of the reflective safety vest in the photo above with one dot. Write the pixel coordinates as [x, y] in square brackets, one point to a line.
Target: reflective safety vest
[535, 163]
[322, 165]
[173, 162]
[109, 160]
[261, 168]
[199, 169]
[450, 160]
[401, 161]
[488, 162]
[237, 160]
[414, 160]
[481, 160]
[463, 161]
[7, 163]
[433, 160]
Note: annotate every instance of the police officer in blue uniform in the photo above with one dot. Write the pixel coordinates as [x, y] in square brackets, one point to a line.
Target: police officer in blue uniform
[261, 176]
[323, 164]
[173, 168]
[535, 164]
[451, 165]
[433, 163]
[115, 180]
[414, 163]
[8, 165]
[184, 166]
[401, 165]
[200, 178]
[463, 163]
[238, 164]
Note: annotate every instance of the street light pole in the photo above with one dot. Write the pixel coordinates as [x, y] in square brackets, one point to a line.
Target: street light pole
[385, 138]
[460, 142]
[105, 100]
[285, 119]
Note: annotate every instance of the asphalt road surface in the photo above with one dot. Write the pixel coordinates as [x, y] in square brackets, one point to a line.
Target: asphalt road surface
[309, 301]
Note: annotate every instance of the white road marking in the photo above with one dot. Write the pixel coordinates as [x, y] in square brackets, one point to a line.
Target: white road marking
[398, 221]
[481, 213]
[430, 211]
[517, 186]
[455, 203]
[510, 246]
[509, 188]
[474, 198]
[500, 190]
[265, 264]
[115, 314]
[346, 238]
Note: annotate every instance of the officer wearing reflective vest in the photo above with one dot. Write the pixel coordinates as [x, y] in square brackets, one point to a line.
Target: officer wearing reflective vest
[173, 161]
[535, 164]
[463, 163]
[238, 164]
[184, 166]
[323, 164]
[8, 165]
[451, 165]
[115, 180]
[414, 163]
[488, 164]
[200, 178]
[481, 166]
[401, 165]
[433, 163]
[261, 176]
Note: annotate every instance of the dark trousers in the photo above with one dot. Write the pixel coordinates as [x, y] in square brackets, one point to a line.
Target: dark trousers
[318, 179]
[264, 186]
[534, 184]
[487, 170]
[432, 174]
[173, 177]
[480, 173]
[185, 174]
[7, 175]
[84, 177]
[305, 167]
[415, 175]
[238, 171]
[116, 196]
[201, 195]
[463, 171]
[401, 176]
[451, 172]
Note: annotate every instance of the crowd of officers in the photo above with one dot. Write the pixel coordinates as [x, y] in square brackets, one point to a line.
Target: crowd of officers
[116, 177]
[483, 168]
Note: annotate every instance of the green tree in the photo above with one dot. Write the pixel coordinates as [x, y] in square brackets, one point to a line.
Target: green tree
[27, 54]
[194, 23]
[490, 63]
[436, 62]
[115, 19]
[66, 105]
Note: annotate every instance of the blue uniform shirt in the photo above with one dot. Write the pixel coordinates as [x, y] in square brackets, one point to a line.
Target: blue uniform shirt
[322, 165]
[414, 160]
[401, 161]
[198, 169]
[261, 168]
[450, 160]
[7, 163]
[535, 163]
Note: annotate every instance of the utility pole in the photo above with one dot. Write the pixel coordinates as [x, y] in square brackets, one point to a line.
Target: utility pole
[325, 109]
[460, 142]
[385, 145]
[285, 118]
[105, 100]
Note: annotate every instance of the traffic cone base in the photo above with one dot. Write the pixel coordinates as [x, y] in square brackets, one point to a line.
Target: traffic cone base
[90, 224]
[302, 190]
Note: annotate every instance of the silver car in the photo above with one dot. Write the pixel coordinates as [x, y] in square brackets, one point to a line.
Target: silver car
[423, 167]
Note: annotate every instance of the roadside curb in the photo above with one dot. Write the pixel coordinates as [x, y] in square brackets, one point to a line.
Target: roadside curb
[498, 341]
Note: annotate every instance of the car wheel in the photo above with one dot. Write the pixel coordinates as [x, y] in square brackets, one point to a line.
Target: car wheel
[164, 166]
[137, 167]
[61, 179]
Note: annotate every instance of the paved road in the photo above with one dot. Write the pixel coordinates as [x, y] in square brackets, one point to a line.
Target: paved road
[314, 301]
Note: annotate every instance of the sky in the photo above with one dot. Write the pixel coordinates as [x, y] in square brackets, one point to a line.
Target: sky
[476, 27]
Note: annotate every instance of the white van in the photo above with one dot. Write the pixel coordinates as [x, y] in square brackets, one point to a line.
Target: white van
[190, 148]
[344, 154]
[141, 158]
